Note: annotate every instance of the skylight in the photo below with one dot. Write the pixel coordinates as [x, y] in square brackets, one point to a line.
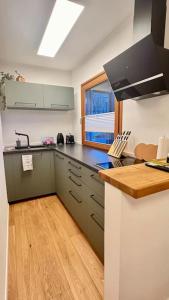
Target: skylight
[64, 15]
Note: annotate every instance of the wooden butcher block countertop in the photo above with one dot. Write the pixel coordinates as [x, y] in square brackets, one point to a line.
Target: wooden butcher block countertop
[137, 180]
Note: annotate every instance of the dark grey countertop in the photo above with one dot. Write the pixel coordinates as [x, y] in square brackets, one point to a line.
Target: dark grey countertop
[86, 155]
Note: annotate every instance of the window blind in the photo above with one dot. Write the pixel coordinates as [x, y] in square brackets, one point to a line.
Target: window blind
[103, 122]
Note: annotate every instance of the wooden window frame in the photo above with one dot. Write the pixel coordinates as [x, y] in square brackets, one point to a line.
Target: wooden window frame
[118, 111]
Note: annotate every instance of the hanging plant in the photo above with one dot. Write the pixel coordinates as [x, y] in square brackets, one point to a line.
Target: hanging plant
[19, 77]
[5, 76]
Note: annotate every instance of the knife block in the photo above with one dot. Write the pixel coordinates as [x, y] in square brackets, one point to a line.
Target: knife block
[117, 148]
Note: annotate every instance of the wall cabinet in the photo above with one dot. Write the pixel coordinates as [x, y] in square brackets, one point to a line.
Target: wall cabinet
[25, 95]
[58, 97]
[24, 185]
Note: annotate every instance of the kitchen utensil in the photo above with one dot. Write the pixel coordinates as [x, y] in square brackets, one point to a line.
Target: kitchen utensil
[146, 151]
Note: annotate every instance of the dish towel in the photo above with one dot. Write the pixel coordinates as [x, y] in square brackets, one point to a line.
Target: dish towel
[27, 163]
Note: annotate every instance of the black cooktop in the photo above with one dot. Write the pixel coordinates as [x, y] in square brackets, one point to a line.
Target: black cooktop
[115, 163]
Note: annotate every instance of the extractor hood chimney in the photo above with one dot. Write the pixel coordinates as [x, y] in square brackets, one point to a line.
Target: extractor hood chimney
[150, 18]
[142, 71]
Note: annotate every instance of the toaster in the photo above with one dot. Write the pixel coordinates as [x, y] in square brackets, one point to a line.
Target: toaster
[70, 139]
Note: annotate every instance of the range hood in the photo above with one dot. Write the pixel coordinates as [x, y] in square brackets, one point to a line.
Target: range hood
[142, 71]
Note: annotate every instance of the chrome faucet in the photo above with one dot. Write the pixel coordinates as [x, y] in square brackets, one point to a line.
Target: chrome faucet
[23, 134]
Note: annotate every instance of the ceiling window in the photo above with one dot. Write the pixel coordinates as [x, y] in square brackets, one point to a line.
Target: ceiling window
[101, 113]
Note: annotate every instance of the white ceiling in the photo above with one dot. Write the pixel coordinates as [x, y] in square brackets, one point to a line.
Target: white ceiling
[23, 22]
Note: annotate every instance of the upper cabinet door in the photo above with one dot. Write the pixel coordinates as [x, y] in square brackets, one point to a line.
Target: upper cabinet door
[24, 95]
[58, 97]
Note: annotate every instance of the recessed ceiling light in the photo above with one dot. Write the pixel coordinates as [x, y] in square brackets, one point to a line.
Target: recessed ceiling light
[64, 15]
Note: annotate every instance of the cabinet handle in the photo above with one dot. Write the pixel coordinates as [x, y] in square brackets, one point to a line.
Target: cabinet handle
[78, 176]
[92, 197]
[61, 105]
[25, 103]
[60, 157]
[78, 184]
[76, 167]
[77, 200]
[94, 219]
[96, 179]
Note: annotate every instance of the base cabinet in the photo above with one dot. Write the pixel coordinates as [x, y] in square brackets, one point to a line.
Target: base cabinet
[82, 193]
[24, 185]
[78, 187]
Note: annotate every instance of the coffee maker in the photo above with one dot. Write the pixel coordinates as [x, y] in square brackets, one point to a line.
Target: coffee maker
[60, 139]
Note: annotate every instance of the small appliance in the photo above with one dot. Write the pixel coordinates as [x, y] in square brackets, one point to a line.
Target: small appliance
[60, 139]
[70, 139]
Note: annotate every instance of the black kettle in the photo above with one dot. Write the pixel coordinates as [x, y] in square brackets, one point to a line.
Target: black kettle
[60, 138]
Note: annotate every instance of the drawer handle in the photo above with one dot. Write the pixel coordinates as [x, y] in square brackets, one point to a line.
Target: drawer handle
[92, 197]
[78, 201]
[25, 103]
[60, 105]
[93, 177]
[77, 167]
[78, 184]
[60, 157]
[79, 176]
[94, 219]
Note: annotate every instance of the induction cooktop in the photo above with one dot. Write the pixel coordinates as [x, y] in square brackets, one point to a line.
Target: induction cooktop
[115, 163]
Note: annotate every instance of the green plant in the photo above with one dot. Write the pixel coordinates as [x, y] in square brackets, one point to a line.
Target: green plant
[5, 76]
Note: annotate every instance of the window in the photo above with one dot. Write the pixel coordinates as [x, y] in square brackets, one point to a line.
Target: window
[101, 113]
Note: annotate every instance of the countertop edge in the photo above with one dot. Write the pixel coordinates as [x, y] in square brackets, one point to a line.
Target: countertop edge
[138, 192]
[59, 150]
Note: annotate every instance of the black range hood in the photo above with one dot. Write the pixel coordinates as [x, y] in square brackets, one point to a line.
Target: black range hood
[142, 71]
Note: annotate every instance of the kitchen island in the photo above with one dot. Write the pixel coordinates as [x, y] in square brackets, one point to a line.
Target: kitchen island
[136, 233]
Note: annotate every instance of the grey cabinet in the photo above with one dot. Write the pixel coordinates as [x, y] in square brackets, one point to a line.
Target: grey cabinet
[60, 175]
[58, 97]
[23, 95]
[78, 187]
[82, 192]
[23, 185]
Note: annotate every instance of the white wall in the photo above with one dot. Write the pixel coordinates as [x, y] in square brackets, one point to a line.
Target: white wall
[3, 225]
[36, 123]
[147, 119]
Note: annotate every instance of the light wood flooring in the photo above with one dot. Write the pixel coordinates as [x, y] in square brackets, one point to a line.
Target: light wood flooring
[49, 257]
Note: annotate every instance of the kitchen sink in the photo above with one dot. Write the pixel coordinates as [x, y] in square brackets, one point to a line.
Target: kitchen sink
[31, 147]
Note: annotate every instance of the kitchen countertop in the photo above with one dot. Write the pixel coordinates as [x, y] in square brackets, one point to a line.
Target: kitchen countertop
[85, 155]
[137, 180]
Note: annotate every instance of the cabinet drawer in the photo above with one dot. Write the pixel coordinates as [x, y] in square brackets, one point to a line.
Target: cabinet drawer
[95, 231]
[76, 205]
[93, 180]
[95, 202]
[76, 186]
[74, 167]
[75, 173]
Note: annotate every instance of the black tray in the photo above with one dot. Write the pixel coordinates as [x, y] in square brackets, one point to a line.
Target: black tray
[162, 168]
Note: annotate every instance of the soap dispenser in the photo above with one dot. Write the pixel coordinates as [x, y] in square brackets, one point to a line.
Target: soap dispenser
[18, 143]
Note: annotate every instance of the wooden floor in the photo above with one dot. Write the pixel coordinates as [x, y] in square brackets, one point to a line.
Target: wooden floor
[49, 258]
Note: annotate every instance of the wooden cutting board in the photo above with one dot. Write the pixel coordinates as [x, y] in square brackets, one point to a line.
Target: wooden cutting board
[146, 151]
